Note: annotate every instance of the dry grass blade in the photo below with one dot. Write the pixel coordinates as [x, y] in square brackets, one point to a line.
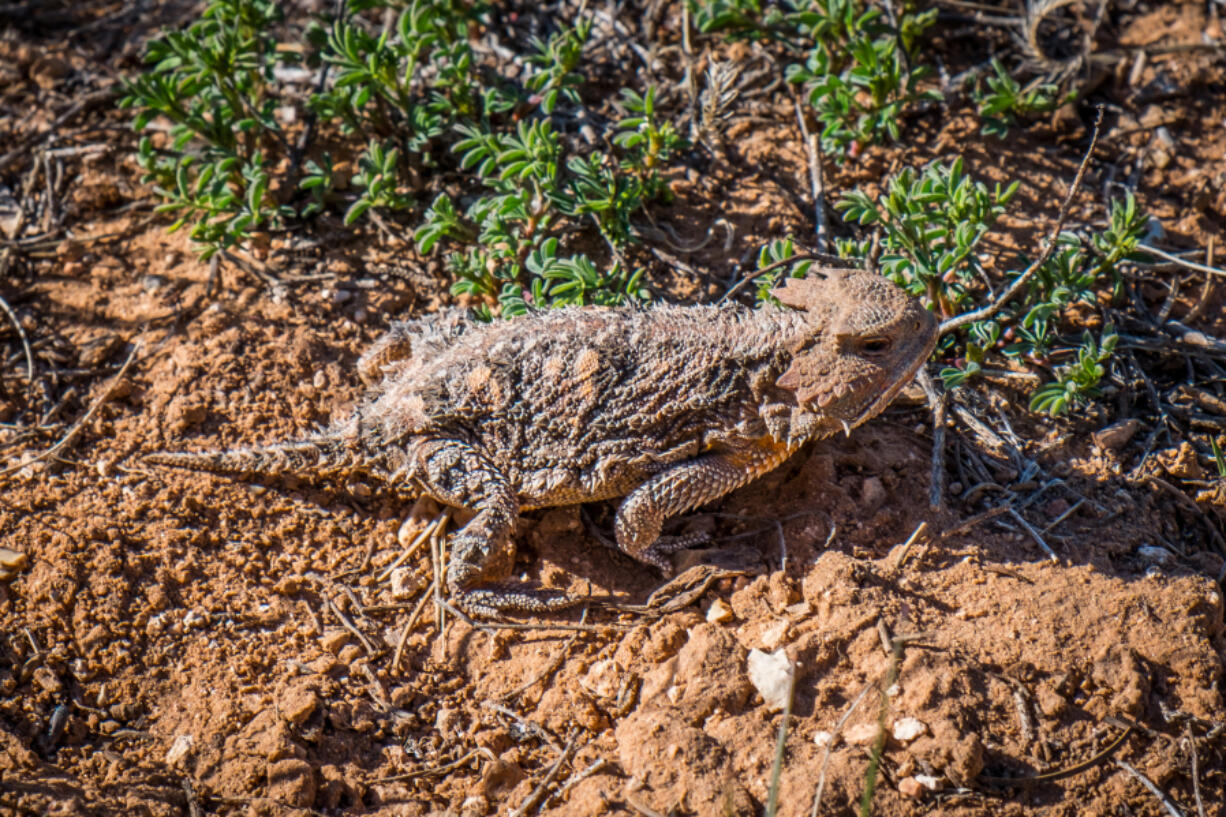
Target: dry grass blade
[834, 736]
[772, 800]
[1170, 807]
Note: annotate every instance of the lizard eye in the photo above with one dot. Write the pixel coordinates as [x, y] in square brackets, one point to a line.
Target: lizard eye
[875, 346]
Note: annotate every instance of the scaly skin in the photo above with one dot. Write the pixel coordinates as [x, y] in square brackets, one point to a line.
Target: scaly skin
[670, 407]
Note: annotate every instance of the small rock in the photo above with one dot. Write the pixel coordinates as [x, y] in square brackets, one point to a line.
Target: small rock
[1155, 555]
[11, 563]
[910, 787]
[349, 654]
[499, 777]
[475, 806]
[775, 634]
[292, 781]
[872, 494]
[448, 723]
[297, 704]
[602, 679]
[719, 612]
[333, 640]
[930, 782]
[1181, 462]
[404, 583]
[179, 749]
[908, 729]
[823, 739]
[772, 674]
[195, 618]
[861, 734]
[1116, 436]
[45, 678]
[424, 510]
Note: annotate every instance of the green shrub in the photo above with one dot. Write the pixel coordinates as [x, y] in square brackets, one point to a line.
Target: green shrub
[409, 102]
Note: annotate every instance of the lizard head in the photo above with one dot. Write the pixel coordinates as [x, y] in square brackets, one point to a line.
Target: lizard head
[868, 339]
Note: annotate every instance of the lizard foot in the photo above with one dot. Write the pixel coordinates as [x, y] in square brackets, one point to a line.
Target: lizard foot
[657, 555]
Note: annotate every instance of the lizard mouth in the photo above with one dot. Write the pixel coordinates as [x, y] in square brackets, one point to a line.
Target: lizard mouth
[874, 408]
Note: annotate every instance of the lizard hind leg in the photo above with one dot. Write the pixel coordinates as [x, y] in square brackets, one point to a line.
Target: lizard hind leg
[482, 552]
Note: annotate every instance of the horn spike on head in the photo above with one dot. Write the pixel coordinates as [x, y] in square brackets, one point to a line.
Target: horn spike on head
[803, 293]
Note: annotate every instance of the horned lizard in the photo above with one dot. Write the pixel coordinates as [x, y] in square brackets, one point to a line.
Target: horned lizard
[668, 406]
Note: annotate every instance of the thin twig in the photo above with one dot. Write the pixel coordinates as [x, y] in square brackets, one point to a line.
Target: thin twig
[802, 256]
[67, 439]
[534, 799]
[937, 400]
[418, 540]
[834, 736]
[1183, 262]
[772, 799]
[348, 625]
[1170, 807]
[1034, 534]
[1191, 738]
[439, 770]
[1024, 279]
[575, 779]
[21, 333]
[966, 525]
[817, 184]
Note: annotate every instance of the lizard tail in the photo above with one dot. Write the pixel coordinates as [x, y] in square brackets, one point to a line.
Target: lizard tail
[315, 457]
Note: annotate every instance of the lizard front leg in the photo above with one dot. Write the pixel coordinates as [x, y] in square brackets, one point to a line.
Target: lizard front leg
[685, 486]
[482, 552]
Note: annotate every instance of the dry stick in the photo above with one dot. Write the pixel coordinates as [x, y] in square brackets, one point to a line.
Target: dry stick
[937, 400]
[834, 736]
[348, 625]
[1170, 807]
[1183, 499]
[1199, 307]
[193, 805]
[575, 779]
[1183, 262]
[1023, 279]
[538, 793]
[1191, 738]
[990, 513]
[817, 184]
[552, 666]
[408, 627]
[440, 770]
[21, 332]
[85, 418]
[1034, 534]
[911, 540]
[417, 542]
